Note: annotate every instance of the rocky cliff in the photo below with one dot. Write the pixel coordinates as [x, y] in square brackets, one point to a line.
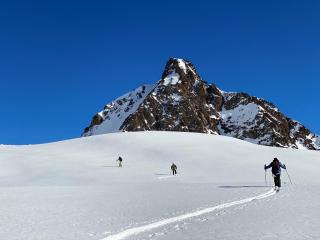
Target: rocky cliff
[182, 101]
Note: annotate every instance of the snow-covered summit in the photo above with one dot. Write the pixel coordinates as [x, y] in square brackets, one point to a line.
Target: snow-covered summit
[178, 70]
[182, 101]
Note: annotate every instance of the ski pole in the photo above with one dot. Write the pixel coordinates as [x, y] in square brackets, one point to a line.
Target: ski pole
[265, 177]
[288, 176]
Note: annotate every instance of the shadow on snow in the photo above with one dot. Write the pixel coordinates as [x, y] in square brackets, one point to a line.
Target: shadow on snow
[162, 174]
[245, 186]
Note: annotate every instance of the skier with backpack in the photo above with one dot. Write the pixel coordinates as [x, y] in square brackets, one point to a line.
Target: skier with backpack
[174, 169]
[276, 166]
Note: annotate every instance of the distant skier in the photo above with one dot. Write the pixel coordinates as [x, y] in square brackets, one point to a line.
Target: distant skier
[120, 161]
[276, 172]
[174, 169]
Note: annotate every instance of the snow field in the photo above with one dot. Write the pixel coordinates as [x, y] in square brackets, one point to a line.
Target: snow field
[73, 189]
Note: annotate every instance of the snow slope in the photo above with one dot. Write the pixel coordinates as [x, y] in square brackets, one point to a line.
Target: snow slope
[73, 189]
[116, 112]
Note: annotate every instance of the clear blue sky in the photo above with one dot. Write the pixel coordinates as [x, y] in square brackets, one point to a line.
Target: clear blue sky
[62, 61]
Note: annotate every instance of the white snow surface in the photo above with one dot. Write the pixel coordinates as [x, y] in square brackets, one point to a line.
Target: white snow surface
[74, 190]
[241, 115]
[118, 110]
[182, 65]
[172, 78]
[175, 97]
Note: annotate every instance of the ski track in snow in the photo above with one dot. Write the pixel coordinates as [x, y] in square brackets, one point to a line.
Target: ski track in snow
[135, 231]
[164, 177]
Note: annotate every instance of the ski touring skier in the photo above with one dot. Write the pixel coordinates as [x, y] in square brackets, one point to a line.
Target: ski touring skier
[120, 161]
[276, 166]
[174, 169]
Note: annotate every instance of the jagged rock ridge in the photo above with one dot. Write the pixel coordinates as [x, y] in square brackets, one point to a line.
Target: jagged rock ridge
[182, 101]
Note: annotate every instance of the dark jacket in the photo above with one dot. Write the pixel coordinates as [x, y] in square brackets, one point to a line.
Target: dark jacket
[276, 167]
[173, 167]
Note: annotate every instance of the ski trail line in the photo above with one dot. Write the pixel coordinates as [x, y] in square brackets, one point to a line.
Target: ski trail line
[165, 177]
[136, 230]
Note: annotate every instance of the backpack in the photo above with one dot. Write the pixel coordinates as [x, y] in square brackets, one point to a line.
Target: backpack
[275, 166]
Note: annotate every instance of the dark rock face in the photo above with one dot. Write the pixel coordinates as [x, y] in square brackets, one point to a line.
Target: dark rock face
[182, 101]
[302, 136]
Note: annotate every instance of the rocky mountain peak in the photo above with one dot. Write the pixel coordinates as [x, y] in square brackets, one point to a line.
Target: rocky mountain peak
[182, 101]
[179, 71]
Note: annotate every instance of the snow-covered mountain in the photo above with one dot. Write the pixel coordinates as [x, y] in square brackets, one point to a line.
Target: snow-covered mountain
[182, 101]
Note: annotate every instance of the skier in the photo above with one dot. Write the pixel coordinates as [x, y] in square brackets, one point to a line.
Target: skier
[120, 161]
[174, 169]
[276, 172]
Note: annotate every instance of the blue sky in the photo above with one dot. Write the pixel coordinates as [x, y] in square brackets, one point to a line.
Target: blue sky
[62, 61]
